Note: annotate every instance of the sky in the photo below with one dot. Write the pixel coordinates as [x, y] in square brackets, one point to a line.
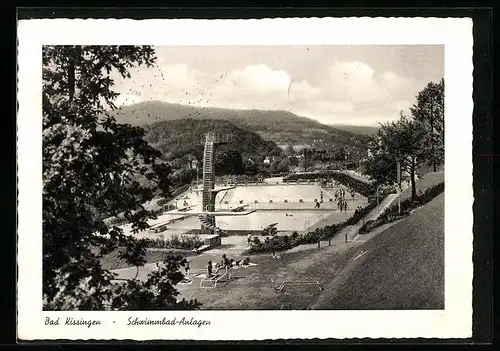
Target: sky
[354, 85]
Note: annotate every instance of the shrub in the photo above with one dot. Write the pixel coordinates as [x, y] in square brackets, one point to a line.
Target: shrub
[392, 214]
[367, 227]
[361, 213]
[186, 242]
[285, 242]
[275, 243]
[240, 178]
[162, 202]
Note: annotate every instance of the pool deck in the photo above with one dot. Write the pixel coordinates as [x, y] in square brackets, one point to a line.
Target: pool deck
[298, 213]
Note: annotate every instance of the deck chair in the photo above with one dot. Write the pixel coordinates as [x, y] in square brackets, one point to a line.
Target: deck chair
[211, 282]
[284, 284]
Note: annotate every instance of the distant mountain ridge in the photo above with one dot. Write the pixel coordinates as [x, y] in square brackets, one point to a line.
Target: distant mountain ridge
[362, 130]
[282, 127]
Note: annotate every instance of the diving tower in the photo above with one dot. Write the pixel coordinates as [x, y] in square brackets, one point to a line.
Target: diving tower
[207, 216]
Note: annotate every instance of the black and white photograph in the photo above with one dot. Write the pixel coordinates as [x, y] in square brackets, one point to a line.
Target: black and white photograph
[242, 177]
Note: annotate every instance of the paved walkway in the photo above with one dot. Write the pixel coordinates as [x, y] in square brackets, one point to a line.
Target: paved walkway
[357, 176]
[349, 233]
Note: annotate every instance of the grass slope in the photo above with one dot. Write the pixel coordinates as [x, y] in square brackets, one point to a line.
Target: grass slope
[402, 268]
[421, 185]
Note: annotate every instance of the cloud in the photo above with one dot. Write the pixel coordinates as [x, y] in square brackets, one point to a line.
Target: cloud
[179, 75]
[349, 92]
[351, 70]
[127, 99]
[261, 87]
[260, 78]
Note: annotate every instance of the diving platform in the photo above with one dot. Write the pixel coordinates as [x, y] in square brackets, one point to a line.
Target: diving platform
[223, 189]
[215, 190]
[217, 213]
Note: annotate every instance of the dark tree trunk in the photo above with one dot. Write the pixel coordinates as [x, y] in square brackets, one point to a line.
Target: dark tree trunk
[412, 178]
[71, 80]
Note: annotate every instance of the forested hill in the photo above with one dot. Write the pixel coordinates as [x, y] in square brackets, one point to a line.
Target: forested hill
[178, 138]
[282, 127]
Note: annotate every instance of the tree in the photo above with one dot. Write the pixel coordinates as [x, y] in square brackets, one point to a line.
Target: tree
[183, 176]
[250, 167]
[90, 169]
[229, 162]
[307, 163]
[294, 161]
[340, 155]
[280, 166]
[400, 141]
[429, 109]
[381, 166]
[404, 140]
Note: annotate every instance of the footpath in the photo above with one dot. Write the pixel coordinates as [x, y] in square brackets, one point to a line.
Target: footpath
[349, 233]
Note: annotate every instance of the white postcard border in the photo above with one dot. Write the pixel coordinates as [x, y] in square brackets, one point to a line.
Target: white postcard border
[453, 322]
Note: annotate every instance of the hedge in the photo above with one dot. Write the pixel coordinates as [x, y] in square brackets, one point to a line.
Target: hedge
[186, 242]
[392, 213]
[285, 242]
[240, 178]
[162, 202]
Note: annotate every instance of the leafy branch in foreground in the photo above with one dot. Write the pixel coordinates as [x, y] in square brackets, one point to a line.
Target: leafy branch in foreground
[91, 170]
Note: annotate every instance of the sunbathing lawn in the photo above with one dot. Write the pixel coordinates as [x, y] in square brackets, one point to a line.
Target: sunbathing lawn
[251, 287]
[112, 260]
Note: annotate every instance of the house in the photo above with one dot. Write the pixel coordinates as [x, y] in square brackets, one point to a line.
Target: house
[194, 164]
